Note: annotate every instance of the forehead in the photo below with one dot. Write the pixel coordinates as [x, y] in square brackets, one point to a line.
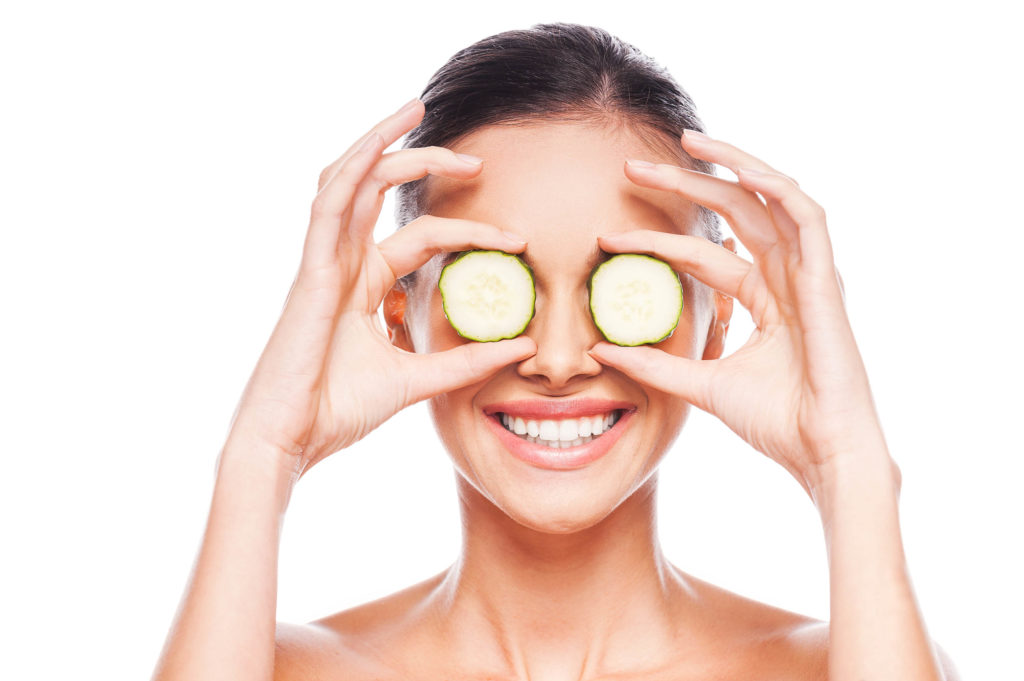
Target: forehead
[560, 185]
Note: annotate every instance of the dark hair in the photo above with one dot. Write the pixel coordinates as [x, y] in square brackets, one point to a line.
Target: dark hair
[552, 71]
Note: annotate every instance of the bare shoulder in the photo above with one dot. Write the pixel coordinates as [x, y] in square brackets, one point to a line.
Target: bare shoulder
[778, 643]
[366, 641]
[303, 651]
[757, 640]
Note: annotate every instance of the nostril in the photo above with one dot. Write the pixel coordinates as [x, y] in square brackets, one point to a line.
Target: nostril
[564, 332]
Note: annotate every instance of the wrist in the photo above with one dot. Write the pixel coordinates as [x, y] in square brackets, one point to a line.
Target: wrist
[260, 467]
[852, 470]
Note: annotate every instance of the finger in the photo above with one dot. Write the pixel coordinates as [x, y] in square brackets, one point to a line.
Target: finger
[688, 378]
[741, 208]
[322, 238]
[699, 145]
[397, 168]
[426, 236]
[715, 265]
[391, 128]
[326, 216]
[808, 217]
[724, 154]
[439, 372]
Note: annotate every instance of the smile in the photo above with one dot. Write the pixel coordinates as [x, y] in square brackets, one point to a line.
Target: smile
[560, 433]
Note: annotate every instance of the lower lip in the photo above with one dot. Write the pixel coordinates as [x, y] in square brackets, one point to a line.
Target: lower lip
[560, 459]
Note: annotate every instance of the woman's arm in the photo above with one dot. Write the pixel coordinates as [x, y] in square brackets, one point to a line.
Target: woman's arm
[327, 377]
[225, 625]
[797, 391]
[876, 629]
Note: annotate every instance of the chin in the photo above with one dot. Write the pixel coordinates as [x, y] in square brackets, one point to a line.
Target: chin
[556, 506]
[558, 518]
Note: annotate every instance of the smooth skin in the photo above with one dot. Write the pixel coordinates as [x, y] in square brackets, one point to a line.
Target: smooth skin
[561, 575]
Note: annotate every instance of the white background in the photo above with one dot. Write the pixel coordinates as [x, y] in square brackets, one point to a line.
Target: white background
[157, 166]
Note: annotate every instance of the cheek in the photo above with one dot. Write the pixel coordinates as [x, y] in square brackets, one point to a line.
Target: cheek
[428, 327]
[688, 337]
[442, 335]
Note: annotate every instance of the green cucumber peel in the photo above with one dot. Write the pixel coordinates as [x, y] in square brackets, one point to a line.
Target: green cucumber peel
[488, 295]
[635, 299]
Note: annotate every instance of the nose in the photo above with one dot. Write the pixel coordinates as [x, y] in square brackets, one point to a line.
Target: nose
[563, 330]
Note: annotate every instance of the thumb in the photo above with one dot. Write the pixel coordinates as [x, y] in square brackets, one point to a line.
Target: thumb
[438, 372]
[687, 378]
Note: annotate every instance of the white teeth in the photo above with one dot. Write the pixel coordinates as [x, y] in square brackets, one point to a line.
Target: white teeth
[519, 427]
[561, 433]
[560, 444]
[548, 430]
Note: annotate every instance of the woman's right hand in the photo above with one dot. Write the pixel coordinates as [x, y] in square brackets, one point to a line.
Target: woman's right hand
[329, 374]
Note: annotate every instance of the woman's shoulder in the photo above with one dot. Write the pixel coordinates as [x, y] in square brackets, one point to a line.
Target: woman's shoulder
[775, 643]
[366, 641]
[759, 640]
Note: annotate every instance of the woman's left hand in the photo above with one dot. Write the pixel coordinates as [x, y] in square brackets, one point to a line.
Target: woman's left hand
[797, 390]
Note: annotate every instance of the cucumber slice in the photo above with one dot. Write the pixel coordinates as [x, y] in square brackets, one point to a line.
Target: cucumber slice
[635, 299]
[487, 295]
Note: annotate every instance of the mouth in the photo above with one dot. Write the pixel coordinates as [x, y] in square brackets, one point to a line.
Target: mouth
[559, 435]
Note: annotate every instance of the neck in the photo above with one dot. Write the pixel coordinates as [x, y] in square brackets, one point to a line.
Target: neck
[561, 607]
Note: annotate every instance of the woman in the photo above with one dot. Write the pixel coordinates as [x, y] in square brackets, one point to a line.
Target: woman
[564, 145]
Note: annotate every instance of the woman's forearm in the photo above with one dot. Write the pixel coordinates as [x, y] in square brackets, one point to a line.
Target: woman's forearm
[224, 628]
[876, 631]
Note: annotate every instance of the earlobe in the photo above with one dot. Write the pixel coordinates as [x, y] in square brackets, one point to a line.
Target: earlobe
[716, 340]
[715, 344]
[394, 317]
[394, 307]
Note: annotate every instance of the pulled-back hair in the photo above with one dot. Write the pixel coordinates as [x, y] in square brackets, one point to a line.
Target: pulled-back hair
[557, 71]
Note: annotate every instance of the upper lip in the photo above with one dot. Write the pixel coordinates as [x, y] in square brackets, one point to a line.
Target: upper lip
[557, 409]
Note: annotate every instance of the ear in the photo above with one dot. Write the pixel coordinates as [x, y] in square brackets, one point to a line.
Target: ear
[394, 317]
[715, 344]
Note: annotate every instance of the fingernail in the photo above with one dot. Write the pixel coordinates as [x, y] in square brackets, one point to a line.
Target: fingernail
[695, 135]
[750, 171]
[370, 141]
[514, 237]
[637, 163]
[408, 105]
[475, 160]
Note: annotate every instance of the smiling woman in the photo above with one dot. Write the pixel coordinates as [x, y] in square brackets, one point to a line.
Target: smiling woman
[563, 145]
[572, 173]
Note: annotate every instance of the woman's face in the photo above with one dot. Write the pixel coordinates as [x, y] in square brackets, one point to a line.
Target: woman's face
[559, 186]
